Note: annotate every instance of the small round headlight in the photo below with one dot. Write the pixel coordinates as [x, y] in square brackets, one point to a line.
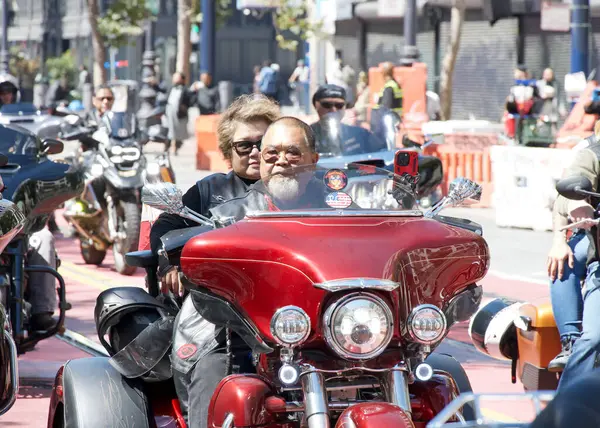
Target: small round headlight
[290, 325]
[426, 324]
[359, 326]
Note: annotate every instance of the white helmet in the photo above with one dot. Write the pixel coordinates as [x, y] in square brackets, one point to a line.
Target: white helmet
[9, 83]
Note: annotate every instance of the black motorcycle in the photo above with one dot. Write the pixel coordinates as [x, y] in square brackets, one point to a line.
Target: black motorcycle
[108, 212]
[33, 187]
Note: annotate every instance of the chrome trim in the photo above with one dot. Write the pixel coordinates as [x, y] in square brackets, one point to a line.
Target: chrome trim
[452, 409]
[274, 319]
[396, 388]
[328, 332]
[335, 213]
[362, 283]
[228, 422]
[14, 373]
[316, 407]
[411, 317]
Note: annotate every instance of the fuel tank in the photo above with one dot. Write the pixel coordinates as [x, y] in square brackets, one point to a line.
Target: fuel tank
[262, 264]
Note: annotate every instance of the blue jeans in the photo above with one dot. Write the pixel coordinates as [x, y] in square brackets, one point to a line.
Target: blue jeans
[565, 293]
[586, 349]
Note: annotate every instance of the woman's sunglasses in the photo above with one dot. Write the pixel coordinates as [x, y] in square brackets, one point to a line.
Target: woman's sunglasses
[243, 148]
[328, 105]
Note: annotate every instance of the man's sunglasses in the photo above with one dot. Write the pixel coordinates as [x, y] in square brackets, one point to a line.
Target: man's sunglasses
[106, 98]
[292, 154]
[330, 105]
[243, 148]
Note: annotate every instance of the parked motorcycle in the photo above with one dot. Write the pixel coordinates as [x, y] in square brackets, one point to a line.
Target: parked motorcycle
[13, 221]
[340, 144]
[107, 214]
[33, 187]
[340, 299]
[26, 115]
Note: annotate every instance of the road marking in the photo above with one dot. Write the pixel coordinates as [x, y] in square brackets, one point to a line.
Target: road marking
[497, 416]
[510, 277]
[77, 277]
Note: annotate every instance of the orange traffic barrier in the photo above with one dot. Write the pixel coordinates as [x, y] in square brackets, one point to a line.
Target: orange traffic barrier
[208, 155]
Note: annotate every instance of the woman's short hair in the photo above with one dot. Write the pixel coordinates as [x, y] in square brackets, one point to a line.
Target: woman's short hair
[244, 109]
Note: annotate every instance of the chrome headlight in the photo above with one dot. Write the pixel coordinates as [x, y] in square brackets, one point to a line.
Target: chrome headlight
[290, 326]
[358, 326]
[427, 324]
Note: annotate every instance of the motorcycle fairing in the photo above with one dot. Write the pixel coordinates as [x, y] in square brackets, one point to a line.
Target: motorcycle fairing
[259, 264]
[12, 221]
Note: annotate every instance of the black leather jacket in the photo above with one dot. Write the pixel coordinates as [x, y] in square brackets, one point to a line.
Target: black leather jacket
[206, 194]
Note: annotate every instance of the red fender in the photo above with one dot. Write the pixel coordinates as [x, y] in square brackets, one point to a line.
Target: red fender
[374, 415]
[244, 396]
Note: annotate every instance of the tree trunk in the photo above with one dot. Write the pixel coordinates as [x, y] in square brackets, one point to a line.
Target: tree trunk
[97, 44]
[184, 11]
[456, 23]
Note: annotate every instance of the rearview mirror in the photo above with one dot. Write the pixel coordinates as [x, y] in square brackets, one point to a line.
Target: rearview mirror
[50, 146]
[574, 187]
[167, 197]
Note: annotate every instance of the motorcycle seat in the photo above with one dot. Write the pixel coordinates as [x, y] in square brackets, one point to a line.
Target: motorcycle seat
[141, 259]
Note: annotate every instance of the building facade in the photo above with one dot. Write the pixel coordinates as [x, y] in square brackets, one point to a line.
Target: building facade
[50, 27]
[488, 53]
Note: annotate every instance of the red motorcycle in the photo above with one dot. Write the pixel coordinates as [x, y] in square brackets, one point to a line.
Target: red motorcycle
[342, 292]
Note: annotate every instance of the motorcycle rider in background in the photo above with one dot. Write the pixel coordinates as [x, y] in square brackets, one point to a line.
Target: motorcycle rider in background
[42, 251]
[566, 268]
[103, 102]
[584, 357]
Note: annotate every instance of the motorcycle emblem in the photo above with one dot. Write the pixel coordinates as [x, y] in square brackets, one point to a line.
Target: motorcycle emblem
[123, 132]
[335, 179]
[186, 351]
[338, 200]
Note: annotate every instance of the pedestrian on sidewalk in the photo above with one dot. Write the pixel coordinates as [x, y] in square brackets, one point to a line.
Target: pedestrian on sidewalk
[176, 114]
[298, 82]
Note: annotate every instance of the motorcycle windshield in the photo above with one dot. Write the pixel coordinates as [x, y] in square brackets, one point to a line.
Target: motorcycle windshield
[17, 141]
[119, 125]
[336, 136]
[19, 109]
[311, 190]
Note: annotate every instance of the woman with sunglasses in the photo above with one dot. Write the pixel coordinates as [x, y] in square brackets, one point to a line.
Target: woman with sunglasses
[240, 131]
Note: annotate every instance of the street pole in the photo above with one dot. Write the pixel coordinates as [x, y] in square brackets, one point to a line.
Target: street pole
[207, 50]
[4, 55]
[147, 94]
[580, 31]
[411, 52]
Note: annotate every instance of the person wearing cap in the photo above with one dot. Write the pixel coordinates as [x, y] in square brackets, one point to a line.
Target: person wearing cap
[330, 103]
[9, 90]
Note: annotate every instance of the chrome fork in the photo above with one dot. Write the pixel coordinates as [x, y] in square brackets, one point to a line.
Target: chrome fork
[315, 400]
[14, 374]
[395, 382]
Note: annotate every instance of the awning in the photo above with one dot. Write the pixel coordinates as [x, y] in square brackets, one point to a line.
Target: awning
[370, 10]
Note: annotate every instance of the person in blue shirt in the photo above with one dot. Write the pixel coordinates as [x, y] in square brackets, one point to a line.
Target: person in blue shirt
[267, 83]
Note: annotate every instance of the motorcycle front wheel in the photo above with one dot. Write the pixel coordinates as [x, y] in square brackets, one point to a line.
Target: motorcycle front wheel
[129, 215]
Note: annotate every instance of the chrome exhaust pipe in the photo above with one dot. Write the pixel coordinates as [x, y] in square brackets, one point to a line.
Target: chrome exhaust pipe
[14, 374]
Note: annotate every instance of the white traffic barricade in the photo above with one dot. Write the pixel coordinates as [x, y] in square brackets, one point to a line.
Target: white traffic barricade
[524, 180]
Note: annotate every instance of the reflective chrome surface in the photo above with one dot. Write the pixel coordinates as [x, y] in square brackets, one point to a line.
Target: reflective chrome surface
[362, 283]
[396, 388]
[14, 373]
[315, 400]
[274, 321]
[337, 213]
[411, 317]
[328, 332]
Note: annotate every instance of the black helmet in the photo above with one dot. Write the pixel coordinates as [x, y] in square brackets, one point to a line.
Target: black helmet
[9, 84]
[134, 320]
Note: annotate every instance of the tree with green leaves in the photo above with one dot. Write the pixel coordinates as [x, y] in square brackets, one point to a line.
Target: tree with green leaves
[121, 21]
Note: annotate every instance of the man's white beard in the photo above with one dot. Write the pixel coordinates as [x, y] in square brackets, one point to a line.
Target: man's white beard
[284, 189]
